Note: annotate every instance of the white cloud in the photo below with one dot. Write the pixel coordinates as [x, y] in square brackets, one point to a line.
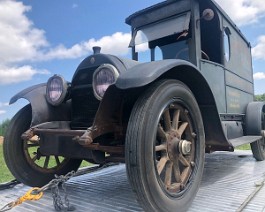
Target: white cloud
[2, 112]
[22, 43]
[244, 12]
[19, 39]
[9, 75]
[4, 104]
[116, 44]
[259, 76]
[258, 52]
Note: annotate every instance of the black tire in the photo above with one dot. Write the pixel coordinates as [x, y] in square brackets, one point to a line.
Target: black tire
[165, 126]
[18, 155]
[255, 123]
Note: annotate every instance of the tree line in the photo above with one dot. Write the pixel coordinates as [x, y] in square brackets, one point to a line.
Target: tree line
[3, 127]
[4, 124]
[260, 98]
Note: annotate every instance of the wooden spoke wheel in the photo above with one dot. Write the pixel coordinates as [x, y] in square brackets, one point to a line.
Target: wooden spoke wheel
[165, 147]
[47, 164]
[24, 159]
[175, 148]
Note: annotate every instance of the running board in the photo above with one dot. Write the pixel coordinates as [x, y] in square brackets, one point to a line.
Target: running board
[244, 140]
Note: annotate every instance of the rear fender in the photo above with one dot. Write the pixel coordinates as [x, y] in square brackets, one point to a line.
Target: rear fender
[254, 122]
[42, 111]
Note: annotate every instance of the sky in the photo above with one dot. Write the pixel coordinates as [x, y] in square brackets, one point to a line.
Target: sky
[41, 38]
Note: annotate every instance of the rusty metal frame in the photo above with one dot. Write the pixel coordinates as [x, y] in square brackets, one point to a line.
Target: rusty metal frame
[107, 119]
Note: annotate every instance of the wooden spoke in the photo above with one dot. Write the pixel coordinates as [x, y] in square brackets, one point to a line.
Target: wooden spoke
[177, 172]
[161, 164]
[57, 160]
[183, 160]
[175, 187]
[182, 128]
[161, 133]
[185, 174]
[32, 145]
[34, 158]
[160, 147]
[167, 120]
[46, 162]
[175, 122]
[168, 179]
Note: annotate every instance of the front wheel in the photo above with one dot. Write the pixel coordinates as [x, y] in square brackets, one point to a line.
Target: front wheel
[24, 159]
[165, 147]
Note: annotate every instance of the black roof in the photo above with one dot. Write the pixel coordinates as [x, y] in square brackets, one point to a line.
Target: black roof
[156, 12]
[170, 8]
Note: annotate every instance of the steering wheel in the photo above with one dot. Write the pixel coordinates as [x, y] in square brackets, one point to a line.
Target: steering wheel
[205, 56]
[185, 50]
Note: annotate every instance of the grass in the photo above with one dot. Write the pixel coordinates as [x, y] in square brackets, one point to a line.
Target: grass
[6, 176]
[244, 147]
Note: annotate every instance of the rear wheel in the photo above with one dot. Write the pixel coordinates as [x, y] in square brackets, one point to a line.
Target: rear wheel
[255, 123]
[165, 147]
[24, 159]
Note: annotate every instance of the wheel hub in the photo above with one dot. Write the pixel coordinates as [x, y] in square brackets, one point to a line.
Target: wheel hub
[177, 146]
[185, 147]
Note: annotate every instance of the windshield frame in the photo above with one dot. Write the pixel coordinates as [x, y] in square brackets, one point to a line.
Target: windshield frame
[177, 27]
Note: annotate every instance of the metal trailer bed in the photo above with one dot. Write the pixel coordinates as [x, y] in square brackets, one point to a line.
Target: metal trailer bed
[229, 180]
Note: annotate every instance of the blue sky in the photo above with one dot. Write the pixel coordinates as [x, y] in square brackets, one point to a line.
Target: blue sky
[41, 38]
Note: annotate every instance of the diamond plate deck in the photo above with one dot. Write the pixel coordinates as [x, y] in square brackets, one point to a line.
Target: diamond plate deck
[229, 178]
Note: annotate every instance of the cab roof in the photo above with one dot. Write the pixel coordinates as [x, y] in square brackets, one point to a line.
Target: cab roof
[169, 8]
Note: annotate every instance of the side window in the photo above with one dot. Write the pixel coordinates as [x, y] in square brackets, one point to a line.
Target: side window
[158, 53]
[143, 51]
[227, 45]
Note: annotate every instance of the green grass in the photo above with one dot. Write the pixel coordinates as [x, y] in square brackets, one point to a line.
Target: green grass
[244, 147]
[6, 176]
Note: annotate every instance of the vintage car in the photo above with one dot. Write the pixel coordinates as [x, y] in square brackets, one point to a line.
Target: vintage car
[187, 90]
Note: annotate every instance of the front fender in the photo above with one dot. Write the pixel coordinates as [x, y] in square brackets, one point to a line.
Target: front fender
[145, 73]
[42, 111]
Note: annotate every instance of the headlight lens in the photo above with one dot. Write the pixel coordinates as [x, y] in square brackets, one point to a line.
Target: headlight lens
[103, 77]
[56, 90]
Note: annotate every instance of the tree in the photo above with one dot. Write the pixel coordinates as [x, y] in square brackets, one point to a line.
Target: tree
[260, 98]
[3, 127]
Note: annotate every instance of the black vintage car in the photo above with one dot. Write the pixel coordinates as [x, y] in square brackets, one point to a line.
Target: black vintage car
[192, 94]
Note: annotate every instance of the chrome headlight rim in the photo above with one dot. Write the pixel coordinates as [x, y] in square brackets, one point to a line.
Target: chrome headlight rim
[110, 67]
[64, 90]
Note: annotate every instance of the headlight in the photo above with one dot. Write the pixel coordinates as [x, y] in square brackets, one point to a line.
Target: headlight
[104, 76]
[56, 90]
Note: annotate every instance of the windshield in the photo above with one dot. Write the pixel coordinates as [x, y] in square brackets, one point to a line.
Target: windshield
[163, 40]
[160, 51]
